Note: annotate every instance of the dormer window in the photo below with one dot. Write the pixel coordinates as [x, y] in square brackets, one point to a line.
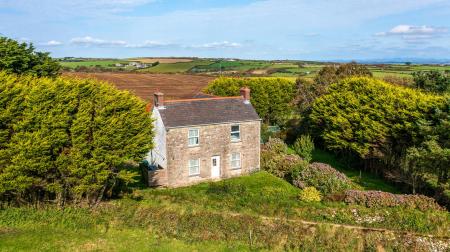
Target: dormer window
[193, 137]
[235, 133]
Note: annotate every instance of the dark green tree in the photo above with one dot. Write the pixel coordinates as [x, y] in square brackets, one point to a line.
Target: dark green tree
[21, 58]
[66, 139]
[371, 118]
[271, 97]
[433, 81]
[308, 91]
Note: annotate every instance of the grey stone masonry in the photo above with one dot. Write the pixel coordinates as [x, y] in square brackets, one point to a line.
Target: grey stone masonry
[214, 140]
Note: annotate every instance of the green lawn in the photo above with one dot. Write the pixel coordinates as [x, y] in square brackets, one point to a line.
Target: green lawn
[256, 212]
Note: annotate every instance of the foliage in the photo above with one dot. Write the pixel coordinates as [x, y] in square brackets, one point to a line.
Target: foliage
[332, 74]
[276, 160]
[304, 146]
[429, 157]
[308, 90]
[21, 58]
[385, 199]
[371, 118]
[364, 179]
[398, 80]
[310, 194]
[67, 139]
[323, 177]
[255, 212]
[434, 81]
[271, 97]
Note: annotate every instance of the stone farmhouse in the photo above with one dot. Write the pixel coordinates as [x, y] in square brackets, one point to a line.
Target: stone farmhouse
[203, 139]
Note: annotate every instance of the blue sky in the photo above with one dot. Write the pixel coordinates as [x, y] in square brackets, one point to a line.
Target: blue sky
[252, 29]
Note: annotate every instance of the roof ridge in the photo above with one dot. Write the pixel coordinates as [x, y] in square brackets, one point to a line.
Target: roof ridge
[205, 99]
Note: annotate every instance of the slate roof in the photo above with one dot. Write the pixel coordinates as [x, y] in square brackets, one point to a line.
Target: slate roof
[191, 112]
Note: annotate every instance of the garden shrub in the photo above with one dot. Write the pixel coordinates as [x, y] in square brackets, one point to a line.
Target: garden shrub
[271, 97]
[323, 177]
[304, 147]
[275, 160]
[385, 199]
[310, 194]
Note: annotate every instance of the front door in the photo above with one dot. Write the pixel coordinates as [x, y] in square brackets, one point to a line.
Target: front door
[215, 167]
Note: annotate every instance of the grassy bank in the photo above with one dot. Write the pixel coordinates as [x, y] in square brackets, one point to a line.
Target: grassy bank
[257, 212]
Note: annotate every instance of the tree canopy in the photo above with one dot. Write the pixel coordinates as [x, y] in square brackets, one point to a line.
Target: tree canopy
[67, 139]
[434, 81]
[21, 58]
[370, 117]
[271, 97]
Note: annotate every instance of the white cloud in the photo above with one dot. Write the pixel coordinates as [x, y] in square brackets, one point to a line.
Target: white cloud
[51, 43]
[152, 44]
[415, 34]
[90, 41]
[218, 45]
[149, 44]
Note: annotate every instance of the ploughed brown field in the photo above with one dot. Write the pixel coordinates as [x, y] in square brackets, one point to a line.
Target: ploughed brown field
[174, 86]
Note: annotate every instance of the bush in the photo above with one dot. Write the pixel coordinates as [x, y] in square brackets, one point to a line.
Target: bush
[310, 194]
[304, 147]
[68, 139]
[385, 199]
[275, 160]
[323, 177]
[271, 97]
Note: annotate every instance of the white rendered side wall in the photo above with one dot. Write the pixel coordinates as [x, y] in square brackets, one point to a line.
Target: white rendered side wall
[158, 154]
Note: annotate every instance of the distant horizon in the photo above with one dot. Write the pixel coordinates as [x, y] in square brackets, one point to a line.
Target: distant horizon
[252, 29]
[363, 61]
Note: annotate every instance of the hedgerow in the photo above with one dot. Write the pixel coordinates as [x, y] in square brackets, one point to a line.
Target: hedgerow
[67, 139]
[385, 199]
[271, 97]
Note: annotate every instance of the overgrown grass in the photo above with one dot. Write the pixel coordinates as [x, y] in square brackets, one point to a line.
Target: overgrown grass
[256, 212]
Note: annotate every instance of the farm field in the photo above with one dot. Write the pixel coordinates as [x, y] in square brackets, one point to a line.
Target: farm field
[174, 86]
[161, 60]
[249, 68]
[92, 63]
[177, 67]
[248, 213]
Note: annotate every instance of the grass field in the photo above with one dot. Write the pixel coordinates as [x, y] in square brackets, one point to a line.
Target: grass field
[92, 63]
[247, 67]
[256, 212]
[178, 67]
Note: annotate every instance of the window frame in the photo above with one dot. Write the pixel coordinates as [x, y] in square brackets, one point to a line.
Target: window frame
[193, 137]
[234, 160]
[198, 167]
[234, 132]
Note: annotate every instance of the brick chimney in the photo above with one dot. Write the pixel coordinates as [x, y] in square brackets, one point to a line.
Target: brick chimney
[158, 100]
[245, 93]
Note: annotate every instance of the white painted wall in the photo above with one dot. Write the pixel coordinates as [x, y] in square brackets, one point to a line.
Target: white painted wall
[158, 154]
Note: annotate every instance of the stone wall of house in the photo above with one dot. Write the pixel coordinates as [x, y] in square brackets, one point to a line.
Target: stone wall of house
[214, 140]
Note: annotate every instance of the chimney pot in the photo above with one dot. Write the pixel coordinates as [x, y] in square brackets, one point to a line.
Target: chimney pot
[158, 100]
[245, 93]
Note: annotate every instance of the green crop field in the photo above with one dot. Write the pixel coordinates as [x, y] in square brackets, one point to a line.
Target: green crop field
[261, 68]
[238, 65]
[178, 67]
[92, 63]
